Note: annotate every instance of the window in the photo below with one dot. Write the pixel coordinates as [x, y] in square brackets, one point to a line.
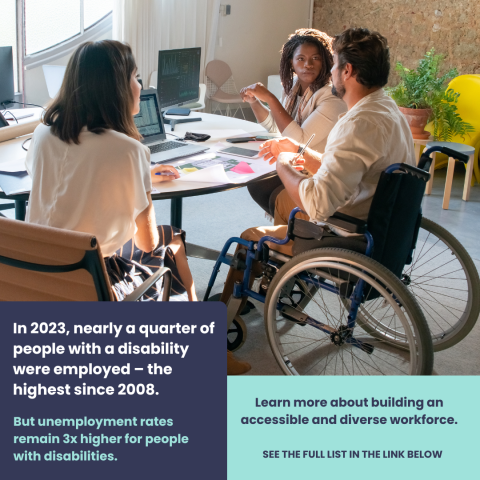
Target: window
[95, 10]
[47, 24]
[42, 15]
[51, 22]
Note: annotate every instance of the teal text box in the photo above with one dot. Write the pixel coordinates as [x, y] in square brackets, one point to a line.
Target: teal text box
[325, 443]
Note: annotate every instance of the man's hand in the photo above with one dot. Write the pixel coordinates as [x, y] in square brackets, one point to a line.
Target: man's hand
[294, 161]
[290, 177]
[273, 148]
[171, 173]
[255, 92]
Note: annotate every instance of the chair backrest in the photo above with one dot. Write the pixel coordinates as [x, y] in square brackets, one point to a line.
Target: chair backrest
[394, 218]
[218, 72]
[468, 107]
[40, 263]
[468, 86]
[153, 80]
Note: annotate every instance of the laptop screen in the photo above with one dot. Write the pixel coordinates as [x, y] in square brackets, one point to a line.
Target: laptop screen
[148, 120]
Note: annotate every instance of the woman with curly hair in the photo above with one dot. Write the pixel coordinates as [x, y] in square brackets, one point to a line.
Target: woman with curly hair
[308, 105]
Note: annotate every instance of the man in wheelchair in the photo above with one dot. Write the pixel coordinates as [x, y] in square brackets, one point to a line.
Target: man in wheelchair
[336, 301]
[369, 138]
[372, 135]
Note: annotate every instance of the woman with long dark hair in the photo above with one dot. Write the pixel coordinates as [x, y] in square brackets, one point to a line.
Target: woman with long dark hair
[91, 174]
[308, 105]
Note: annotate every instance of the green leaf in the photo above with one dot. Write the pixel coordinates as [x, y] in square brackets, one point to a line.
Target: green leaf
[425, 88]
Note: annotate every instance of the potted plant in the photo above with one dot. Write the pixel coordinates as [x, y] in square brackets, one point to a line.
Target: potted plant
[421, 96]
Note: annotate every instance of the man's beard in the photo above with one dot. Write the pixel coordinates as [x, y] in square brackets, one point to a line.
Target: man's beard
[338, 92]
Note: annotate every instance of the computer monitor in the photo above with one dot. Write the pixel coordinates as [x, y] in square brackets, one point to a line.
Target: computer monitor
[7, 89]
[178, 79]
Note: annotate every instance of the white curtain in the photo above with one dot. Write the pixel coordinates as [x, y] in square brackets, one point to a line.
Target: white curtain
[153, 25]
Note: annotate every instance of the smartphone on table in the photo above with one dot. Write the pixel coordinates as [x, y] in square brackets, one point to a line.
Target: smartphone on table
[240, 152]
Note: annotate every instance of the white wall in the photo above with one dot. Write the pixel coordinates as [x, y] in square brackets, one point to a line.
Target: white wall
[253, 34]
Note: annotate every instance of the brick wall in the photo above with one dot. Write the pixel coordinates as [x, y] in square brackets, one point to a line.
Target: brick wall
[412, 27]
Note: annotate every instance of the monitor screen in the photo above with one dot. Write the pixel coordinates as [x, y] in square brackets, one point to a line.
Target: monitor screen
[6, 75]
[148, 119]
[178, 76]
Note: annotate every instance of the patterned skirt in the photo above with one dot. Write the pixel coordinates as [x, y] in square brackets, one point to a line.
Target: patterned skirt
[129, 267]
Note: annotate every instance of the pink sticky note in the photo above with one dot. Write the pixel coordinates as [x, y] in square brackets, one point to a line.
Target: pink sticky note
[242, 167]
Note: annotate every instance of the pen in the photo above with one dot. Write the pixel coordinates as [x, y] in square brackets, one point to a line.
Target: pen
[294, 161]
[166, 174]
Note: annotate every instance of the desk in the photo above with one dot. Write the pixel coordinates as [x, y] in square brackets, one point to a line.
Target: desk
[12, 149]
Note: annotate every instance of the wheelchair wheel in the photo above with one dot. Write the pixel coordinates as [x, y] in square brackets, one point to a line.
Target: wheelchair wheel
[307, 324]
[236, 334]
[445, 283]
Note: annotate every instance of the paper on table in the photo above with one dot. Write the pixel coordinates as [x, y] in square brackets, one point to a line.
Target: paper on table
[205, 178]
[14, 166]
[215, 174]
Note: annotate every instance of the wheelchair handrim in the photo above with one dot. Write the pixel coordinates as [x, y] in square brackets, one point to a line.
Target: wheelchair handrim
[443, 337]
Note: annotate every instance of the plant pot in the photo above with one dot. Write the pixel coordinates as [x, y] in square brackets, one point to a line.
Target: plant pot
[417, 119]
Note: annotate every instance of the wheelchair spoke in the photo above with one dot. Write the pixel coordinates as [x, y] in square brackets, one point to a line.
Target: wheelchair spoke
[366, 363]
[344, 364]
[442, 294]
[432, 317]
[436, 302]
[420, 256]
[438, 277]
[359, 367]
[430, 259]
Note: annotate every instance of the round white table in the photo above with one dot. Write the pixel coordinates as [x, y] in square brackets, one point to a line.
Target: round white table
[219, 127]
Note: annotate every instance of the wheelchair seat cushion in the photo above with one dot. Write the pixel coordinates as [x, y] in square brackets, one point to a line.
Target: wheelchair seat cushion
[356, 244]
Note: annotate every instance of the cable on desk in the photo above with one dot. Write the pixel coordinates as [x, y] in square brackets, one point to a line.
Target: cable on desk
[8, 111]
[21, 103]
[23, 144]
[176, 136]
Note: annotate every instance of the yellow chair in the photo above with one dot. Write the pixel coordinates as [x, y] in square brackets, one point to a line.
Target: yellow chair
[468, 86]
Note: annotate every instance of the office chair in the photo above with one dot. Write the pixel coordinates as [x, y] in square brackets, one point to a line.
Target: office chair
[221, 88]
[39, 263]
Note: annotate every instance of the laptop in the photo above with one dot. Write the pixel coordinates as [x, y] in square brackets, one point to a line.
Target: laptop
[150, 125]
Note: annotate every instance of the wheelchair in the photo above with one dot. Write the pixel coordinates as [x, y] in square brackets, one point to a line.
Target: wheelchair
[352, 305]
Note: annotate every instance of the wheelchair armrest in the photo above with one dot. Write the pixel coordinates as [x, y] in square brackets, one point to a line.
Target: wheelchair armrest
[348, 223]
[167, 285]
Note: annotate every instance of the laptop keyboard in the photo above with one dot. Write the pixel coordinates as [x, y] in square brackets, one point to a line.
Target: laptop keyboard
[164, 146]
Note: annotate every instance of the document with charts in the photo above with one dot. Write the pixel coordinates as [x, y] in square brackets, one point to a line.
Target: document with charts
[212, 169]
